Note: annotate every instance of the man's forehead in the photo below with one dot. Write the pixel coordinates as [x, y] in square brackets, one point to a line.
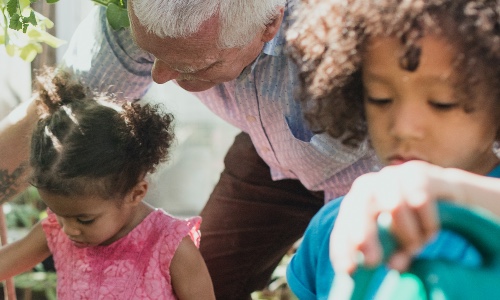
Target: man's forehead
[184, 52]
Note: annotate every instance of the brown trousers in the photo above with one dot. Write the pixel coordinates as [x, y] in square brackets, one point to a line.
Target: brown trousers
[251, 221]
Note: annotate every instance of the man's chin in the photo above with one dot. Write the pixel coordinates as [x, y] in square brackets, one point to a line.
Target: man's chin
[195, 85]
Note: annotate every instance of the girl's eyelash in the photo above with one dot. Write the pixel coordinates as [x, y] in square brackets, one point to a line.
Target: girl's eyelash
[85, 222]
[378, 101]
[443, 106]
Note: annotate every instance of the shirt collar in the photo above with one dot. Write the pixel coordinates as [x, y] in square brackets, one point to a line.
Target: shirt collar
[495, 172]
[274, 47]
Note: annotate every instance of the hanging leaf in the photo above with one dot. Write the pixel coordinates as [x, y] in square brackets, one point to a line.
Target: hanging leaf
[31, 19]
[15, 22]
[12, 7]
[117, 16]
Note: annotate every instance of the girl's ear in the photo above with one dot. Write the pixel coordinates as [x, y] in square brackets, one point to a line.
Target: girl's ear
[273, 27]
[138, 192]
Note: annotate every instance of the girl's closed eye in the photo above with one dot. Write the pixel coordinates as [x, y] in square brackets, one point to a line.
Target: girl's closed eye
[85, 221]
[378, 101]
[443, 105]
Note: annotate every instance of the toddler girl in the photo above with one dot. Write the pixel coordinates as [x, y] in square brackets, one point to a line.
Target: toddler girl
[90, 158]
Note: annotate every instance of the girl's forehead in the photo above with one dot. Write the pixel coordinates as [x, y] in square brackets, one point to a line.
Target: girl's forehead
[434, 54]
[73, 206]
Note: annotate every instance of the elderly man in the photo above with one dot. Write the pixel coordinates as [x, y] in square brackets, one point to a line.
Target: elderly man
[230, 54]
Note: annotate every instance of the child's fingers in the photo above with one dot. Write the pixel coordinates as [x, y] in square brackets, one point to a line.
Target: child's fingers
[427, 217]
[394, 191]
[355, 230]
[407, 229]
[400, 261]
[347, 253]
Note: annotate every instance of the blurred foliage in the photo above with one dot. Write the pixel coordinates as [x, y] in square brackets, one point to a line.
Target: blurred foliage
[23, 212]
[38, 282]
[23, 30]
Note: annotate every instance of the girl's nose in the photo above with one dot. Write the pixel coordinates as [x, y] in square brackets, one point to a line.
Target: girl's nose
[69, 229]
[407, 122]
[161, 73]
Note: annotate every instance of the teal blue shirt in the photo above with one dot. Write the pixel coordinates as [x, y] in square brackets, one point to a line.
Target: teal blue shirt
[310, 273]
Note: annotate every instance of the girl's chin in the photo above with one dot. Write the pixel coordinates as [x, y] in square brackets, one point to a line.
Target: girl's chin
[80, 244]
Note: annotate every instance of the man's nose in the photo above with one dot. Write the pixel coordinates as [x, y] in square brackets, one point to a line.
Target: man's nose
[161, 73]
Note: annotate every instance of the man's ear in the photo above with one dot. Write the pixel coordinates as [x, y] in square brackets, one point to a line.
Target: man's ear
[273, 27]
[138, 192]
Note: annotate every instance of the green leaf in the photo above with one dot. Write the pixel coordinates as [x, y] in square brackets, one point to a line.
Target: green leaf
[31, 19]
[15, 22]
[117, 16]
[52, 1]
[12, 7]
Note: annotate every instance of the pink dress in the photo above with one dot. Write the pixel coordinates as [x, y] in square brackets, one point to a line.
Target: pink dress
[133, 267]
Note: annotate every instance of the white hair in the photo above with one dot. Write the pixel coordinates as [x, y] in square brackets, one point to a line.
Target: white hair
[240, 20]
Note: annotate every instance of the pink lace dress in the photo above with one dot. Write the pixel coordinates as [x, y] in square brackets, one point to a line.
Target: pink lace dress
[134, 267]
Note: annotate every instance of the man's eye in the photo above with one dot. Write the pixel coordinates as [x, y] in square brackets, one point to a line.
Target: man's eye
[443, 106]
[85, 222]
[378, 101]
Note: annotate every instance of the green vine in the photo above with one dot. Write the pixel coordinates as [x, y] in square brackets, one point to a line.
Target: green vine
[25, 30]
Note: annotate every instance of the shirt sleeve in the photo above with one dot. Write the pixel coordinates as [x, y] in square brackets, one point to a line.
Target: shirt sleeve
[108, 60]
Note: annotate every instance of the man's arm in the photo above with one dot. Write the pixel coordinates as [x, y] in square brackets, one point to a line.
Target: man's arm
[15, 134]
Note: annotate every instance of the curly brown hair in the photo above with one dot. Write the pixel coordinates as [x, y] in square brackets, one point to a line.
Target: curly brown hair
[87, 144]
[327, 41]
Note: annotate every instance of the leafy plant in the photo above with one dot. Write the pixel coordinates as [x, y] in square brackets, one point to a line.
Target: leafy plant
[23, 30]
[41, 282]
[23, 212]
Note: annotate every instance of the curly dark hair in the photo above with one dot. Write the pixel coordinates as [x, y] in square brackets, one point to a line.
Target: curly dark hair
[328, 37]
[87, 144]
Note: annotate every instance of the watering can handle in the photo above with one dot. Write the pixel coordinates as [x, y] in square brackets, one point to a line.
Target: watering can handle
[481, 229]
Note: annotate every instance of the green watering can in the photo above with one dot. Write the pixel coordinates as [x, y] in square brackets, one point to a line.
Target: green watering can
[437, 279]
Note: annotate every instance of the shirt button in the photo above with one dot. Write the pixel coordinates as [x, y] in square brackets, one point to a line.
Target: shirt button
[251, 119]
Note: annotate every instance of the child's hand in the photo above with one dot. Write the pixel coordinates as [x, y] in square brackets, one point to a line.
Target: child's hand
[404, 194]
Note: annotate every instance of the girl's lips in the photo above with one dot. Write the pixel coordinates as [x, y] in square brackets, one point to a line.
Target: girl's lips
[397, 160]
